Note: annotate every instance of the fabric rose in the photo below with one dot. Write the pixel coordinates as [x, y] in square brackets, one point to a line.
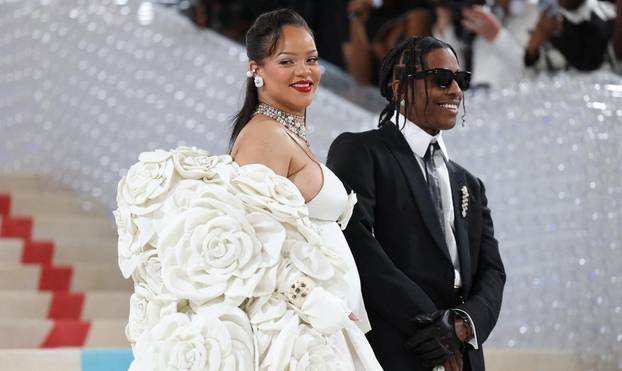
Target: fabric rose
[283, 342]
[145, 181]
[312, 351]
[213, 248]
[262, 190]
[305, 251]
[304, 230]
[149, 273]
[218, 338]
[345, 216]
[146, 310]
[275, 328]
[193, 163]
[129, 247]
[179, 200]
[315, 261]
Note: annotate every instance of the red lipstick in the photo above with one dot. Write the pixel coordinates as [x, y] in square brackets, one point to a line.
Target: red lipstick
[303, 86]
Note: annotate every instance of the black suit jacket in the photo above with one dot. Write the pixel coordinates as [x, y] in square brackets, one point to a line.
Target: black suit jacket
[399, 248]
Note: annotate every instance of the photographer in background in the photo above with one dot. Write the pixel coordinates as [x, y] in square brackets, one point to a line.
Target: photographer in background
[449, 27]
[578, 30]
[376, 26]
[502, 33]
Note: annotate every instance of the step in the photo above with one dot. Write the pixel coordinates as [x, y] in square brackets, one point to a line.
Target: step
[74, 359]
[46, 333]
[70, 359]
[52, 227]
[76, 278]
[540, 360]
[33, 203]
[15, 250]
[101, 243]
[65, 359]
[41, 359]
[87, 306]
[33, 182]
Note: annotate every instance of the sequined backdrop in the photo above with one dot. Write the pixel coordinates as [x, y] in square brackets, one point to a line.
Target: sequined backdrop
[87, 85]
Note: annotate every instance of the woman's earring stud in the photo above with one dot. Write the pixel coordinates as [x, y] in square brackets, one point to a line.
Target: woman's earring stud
[258, 80]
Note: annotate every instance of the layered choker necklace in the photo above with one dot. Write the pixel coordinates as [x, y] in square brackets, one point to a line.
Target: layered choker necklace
[293, 123]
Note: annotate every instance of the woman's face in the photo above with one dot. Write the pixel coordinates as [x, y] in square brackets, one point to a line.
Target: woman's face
[442, 103]
[292, 74]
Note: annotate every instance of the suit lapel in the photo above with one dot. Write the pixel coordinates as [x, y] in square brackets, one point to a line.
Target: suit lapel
[416, 181]
[457, 181]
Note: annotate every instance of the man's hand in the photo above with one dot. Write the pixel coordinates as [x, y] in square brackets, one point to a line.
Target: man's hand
[435, 339]
[359, 8]
[443, 19]
[454, 363]
[463, 330]
[547, 25]
[481, 21]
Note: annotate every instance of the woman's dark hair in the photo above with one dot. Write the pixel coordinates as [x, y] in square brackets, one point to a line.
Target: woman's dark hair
[405, 59]
[261, 42]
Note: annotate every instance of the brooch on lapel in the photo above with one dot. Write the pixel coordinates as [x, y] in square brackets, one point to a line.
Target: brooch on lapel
[465, 200]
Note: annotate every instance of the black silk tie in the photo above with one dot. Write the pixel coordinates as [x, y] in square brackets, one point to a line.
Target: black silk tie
[432, 161]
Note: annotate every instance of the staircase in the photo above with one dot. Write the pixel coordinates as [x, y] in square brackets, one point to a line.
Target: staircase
[63, 301]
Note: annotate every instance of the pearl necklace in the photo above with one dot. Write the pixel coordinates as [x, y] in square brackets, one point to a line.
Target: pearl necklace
[293, 123]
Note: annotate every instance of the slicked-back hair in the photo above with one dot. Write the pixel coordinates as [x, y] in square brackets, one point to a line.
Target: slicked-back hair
[261, 42]
[403, 60]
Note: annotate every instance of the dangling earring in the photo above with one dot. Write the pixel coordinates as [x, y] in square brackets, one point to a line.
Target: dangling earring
[258, 80]
[403, 103]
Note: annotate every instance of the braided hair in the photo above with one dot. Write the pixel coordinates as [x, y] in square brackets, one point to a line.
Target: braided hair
[405, 59]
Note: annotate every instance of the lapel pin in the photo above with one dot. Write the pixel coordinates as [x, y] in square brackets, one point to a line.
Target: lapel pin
[465, 200]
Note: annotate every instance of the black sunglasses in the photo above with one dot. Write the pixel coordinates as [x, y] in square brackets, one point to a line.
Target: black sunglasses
[443, 77]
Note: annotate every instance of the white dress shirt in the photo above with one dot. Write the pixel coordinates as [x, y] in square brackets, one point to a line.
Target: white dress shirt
[419, 141]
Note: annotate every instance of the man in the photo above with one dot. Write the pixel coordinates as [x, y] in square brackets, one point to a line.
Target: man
[421, 233]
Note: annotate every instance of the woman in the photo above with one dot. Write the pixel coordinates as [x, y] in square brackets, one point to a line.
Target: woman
[283, 77]
[238, 261]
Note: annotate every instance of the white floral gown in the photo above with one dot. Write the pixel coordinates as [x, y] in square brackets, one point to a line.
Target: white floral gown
[329, 210]
[215, 251]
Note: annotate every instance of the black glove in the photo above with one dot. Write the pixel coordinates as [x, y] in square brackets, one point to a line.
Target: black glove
[435, 339]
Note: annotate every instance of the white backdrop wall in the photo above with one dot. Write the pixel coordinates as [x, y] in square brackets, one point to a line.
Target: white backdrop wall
[87, 85]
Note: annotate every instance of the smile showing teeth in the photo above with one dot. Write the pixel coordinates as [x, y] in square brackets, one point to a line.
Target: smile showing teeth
[303, 86]
[450, 106]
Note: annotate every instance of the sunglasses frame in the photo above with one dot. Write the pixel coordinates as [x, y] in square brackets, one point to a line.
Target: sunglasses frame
[454, 77]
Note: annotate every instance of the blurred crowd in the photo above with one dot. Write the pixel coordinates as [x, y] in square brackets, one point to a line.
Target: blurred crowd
[500, 41]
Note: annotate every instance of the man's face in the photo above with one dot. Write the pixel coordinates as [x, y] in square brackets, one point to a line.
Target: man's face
[441, 109]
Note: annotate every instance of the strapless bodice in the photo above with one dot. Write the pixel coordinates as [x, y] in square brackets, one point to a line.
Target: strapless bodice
[332, 203]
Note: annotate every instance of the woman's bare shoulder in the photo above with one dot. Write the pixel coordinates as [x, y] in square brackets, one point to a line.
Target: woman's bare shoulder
[264, 141]
[264, 128]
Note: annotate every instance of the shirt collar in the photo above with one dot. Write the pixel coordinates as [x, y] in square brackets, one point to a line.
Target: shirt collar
[418, 139]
